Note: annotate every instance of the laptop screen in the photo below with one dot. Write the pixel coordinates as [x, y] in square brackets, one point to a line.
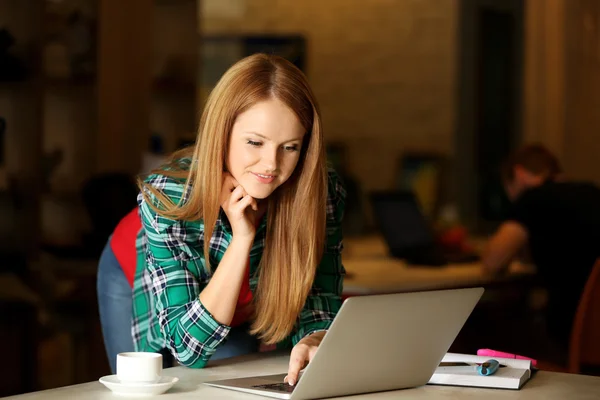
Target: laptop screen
[400, 220]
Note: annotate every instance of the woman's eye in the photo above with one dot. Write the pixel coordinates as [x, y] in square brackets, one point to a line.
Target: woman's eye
[253, 143]
[291, 148]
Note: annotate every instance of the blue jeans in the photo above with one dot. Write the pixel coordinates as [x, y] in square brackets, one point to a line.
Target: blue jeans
[115, 304]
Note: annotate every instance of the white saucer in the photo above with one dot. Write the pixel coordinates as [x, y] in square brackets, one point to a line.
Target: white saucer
[138, 389]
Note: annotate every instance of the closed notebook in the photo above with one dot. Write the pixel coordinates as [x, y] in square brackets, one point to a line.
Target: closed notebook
[512, 375]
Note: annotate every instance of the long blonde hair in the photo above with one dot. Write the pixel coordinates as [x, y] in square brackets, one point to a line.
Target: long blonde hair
[295, 236]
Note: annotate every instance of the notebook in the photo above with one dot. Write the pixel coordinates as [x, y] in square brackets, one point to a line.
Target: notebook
[512, 375]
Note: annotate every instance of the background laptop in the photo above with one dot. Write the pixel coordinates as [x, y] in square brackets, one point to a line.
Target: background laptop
[376, 343]
[407, 232]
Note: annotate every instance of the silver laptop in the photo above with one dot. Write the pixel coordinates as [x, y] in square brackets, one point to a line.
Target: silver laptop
[376, 343]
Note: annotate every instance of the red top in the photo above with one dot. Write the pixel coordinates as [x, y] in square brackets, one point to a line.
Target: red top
[123, 246]
[122, 243]
[242, 311]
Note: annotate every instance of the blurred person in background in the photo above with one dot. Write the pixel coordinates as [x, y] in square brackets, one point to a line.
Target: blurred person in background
[558, 221]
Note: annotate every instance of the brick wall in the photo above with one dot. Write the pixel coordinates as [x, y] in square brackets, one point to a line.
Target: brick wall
[382, 70]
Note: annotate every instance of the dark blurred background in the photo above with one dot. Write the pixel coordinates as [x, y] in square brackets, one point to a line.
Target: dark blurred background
[432, 94]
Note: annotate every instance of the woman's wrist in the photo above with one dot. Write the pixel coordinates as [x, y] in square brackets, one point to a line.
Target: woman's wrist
[241, 243]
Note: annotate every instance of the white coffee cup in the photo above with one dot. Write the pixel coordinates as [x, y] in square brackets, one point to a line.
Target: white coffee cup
[139, 367]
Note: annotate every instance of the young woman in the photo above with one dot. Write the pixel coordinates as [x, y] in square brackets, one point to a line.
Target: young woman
[240, 237]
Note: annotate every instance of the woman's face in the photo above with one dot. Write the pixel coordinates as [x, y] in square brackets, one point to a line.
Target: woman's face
[264, 147]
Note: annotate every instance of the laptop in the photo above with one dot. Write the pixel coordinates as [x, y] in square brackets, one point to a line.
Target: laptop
[376, 343]
[407, 232]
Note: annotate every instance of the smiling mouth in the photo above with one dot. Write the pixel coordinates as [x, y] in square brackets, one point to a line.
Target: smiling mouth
[264, 176]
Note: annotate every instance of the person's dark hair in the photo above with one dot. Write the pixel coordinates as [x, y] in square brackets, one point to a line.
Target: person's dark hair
[535, 158]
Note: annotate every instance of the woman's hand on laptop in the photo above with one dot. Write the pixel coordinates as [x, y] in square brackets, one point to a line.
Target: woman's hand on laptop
[302, 353]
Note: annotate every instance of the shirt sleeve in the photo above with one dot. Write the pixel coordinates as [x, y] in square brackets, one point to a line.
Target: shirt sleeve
[324, 299]
[176, 265]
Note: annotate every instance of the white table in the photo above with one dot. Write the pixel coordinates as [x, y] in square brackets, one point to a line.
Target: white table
[544, 385]
[373, 271]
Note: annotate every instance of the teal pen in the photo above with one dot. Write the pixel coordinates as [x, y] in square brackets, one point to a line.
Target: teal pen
[488, 368]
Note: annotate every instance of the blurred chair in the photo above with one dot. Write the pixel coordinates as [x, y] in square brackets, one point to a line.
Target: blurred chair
[584, 346]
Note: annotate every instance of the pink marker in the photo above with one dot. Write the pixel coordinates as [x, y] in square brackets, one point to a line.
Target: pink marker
[501, 354]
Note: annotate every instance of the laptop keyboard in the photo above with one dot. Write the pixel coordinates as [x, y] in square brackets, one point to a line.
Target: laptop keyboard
[280, 387]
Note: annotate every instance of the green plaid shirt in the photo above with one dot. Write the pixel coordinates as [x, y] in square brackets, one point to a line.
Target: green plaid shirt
[171, 273]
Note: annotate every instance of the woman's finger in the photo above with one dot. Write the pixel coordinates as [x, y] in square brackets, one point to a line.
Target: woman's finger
[229, 182]
[226, 189]
[298, 361]
[238, 194]
[241, 205]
